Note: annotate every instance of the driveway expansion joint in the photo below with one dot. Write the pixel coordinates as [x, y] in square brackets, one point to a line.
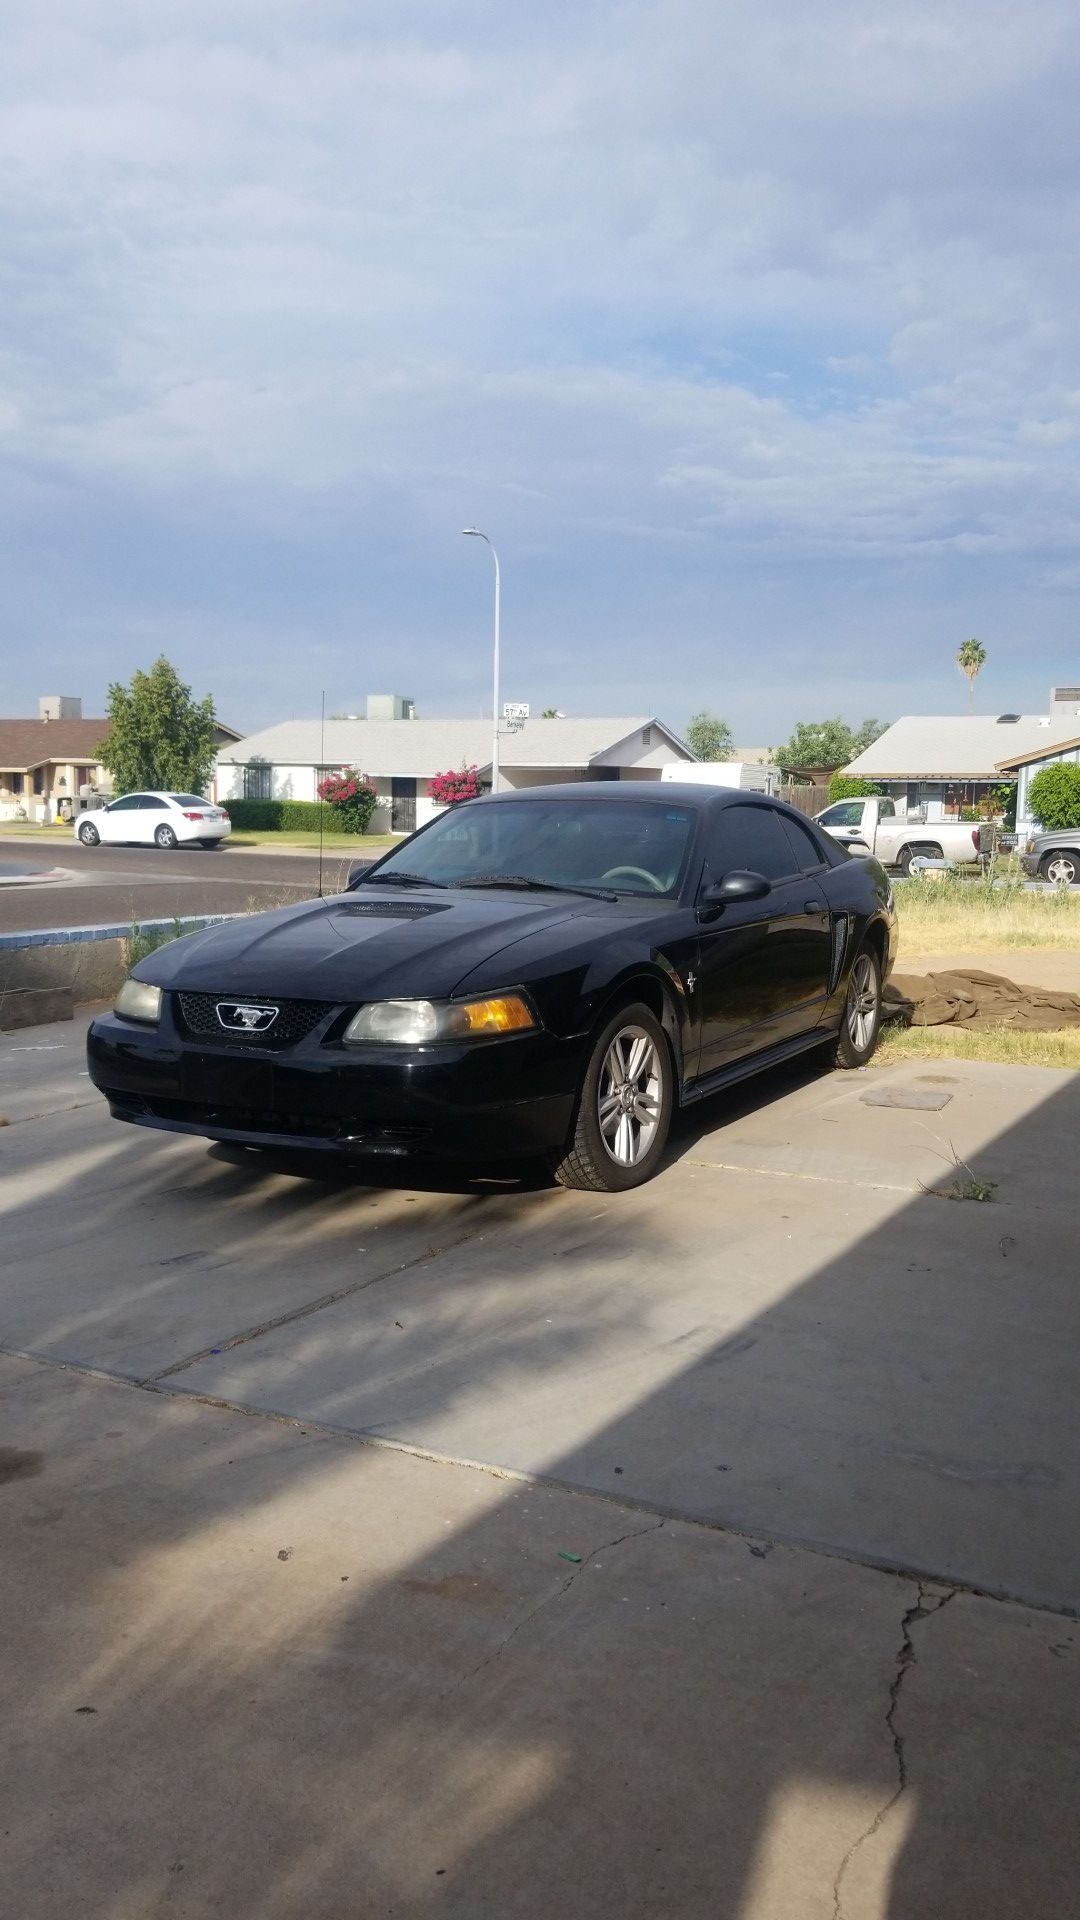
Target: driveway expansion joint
[309, 1307]
[930, 1600]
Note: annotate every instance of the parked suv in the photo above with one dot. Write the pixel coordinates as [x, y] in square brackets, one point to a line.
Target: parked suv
[1054, 857]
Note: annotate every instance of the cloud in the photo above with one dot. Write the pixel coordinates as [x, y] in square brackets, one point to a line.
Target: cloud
[664, 291]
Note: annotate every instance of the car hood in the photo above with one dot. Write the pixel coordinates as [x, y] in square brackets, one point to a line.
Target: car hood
[364, 945]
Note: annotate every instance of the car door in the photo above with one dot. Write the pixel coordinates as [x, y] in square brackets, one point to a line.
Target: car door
[763, 964]
[120, 820]
[152, 811]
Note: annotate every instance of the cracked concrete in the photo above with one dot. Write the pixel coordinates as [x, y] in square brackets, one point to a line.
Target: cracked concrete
[336, 1577]
[905, 1658]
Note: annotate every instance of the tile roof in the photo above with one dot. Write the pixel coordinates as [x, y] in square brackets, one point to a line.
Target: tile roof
[29, 743]
[420, 748]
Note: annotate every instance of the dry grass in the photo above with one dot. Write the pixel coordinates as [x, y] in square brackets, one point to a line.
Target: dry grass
[1001, 1044]
[971, 916]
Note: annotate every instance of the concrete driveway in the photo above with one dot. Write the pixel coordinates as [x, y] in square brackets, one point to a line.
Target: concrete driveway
[482, 1548]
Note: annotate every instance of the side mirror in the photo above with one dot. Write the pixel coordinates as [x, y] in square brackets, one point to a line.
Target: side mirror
[356, 874]
[739, 884]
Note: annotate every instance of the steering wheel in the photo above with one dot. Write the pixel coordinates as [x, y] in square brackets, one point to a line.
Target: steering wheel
[635, 873]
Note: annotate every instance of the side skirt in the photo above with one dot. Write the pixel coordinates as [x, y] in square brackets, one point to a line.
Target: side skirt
[753, 1063]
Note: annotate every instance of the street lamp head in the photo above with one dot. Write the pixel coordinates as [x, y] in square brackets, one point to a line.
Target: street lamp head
[474, 532]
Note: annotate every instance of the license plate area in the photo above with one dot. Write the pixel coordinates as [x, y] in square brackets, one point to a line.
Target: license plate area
[209, 1081]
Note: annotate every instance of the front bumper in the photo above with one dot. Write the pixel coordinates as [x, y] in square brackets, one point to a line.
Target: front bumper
[505, 1098]
[1030, 864]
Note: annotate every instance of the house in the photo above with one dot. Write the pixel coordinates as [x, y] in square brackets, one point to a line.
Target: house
[941, 763]
[400, 756]
[1024, 765]
[49, 766]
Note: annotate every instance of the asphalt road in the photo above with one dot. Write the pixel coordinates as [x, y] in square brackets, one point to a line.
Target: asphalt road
[113, 884]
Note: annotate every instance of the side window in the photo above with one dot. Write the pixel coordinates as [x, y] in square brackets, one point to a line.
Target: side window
[129, 804]
[751, 838]
[847, 813]
[808, 853]
[886, 810]
[149, 803]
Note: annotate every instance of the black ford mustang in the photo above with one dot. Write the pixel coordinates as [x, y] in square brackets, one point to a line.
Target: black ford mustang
[547, 972]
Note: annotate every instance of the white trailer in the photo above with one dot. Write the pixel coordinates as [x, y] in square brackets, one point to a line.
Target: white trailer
[746, 774]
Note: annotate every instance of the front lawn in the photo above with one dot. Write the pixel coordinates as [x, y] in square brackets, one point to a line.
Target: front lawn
[969, 916]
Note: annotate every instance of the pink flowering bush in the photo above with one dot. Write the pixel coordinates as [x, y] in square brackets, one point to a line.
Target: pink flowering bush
[352, 797]
[463, 783]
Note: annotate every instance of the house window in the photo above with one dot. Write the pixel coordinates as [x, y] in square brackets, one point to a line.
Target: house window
[258, 782]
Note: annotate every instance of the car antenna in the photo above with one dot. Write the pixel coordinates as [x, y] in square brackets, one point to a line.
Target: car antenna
[322, 772]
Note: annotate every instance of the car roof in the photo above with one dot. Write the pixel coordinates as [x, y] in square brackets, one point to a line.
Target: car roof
[660, 793]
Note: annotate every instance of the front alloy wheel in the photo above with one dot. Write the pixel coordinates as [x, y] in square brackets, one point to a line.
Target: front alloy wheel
[89, 834]
[861, 1023]
[625, 1108]
[1062, 869]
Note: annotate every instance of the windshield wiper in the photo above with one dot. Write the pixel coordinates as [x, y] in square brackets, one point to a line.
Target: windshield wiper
[534, 886]
[399, 880]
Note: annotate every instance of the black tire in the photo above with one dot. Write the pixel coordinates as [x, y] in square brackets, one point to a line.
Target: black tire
[929, 851]
[212, 845]
[165, 837]
[89, 835]
[1062, 869]
[851, 1047]
[647, 1100]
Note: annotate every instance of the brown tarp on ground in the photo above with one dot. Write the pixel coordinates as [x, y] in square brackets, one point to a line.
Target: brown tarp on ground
[973, 999]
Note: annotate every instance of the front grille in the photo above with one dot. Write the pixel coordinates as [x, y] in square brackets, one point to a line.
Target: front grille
[295, 1020]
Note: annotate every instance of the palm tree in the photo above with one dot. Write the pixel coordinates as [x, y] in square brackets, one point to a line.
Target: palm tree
[970, 658]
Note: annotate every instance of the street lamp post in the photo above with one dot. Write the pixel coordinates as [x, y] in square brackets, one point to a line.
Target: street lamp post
[474, 533]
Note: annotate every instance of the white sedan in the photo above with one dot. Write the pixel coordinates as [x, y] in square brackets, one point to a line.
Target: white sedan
[155, 819]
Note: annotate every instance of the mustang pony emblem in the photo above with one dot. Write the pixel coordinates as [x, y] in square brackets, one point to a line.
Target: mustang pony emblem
[235, 1014]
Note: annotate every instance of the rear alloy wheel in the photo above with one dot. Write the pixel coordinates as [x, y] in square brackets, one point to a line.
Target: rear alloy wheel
[907, 854]
[89, 834]
[1061, 869]
[165, 837]
[859, 1029]
[624, 1113]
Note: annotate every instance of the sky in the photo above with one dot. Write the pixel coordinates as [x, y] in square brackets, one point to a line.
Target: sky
[749, 333]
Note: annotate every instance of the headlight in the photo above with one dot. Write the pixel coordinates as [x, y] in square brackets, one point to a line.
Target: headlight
[137, 1001]
[417, 1023]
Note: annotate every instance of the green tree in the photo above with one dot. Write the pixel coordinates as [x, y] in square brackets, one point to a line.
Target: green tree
[870, 731]
[827, 743]
[971, 658]
[848, 786]
[1054, 796]
[710, 737]
[158, 736]
[550, 713]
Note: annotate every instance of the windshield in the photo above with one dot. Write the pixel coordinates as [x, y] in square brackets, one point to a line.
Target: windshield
[631, 846]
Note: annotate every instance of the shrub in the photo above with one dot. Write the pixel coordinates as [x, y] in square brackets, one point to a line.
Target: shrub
[1054, 796]
[461, 783]
[351, 796]
[848, 786]
[281, 816]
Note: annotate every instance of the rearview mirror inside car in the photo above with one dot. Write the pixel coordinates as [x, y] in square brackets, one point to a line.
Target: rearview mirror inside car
[740, 884]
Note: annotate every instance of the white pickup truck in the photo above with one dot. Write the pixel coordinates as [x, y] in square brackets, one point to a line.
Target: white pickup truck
[874, 826]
